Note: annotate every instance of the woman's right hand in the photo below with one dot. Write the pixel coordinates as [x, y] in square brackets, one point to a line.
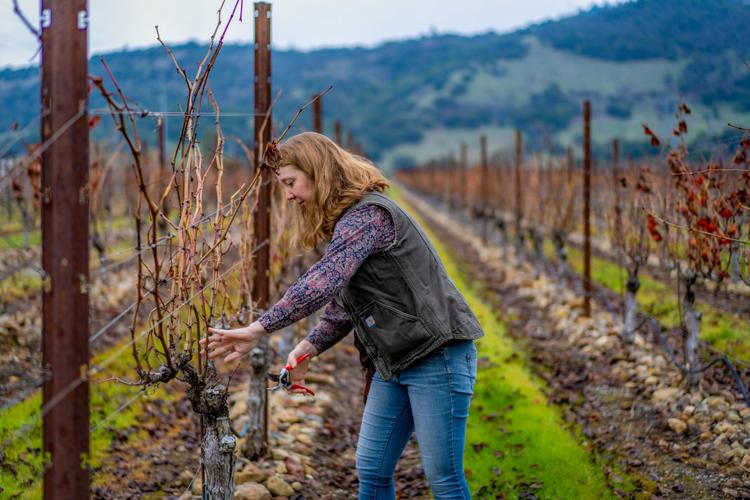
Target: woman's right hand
[298, 370]
[232, 343]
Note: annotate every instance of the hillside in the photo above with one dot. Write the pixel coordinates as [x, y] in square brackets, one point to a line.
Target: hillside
[408, 100]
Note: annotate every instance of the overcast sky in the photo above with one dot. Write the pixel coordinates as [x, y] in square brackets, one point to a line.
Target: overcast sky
[302, 24]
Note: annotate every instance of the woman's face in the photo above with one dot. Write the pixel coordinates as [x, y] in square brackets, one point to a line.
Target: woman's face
[298, 185]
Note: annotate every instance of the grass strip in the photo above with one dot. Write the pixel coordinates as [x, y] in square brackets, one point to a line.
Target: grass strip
[22, 461]
[517, 444]
[724, 330]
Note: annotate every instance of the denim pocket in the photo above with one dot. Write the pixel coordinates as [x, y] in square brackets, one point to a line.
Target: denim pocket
[461, 363]
[471, 363]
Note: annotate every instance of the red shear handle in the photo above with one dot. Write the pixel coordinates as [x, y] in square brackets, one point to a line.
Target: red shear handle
[301, 389]
[299, 360]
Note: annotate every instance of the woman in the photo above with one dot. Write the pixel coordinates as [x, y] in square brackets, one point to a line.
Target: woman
[382, 277]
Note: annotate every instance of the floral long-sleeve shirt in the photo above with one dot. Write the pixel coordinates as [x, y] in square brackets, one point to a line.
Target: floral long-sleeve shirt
[359, 233]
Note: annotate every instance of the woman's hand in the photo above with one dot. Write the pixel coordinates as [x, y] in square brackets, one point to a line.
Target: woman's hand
[234, 343]
[298, 370]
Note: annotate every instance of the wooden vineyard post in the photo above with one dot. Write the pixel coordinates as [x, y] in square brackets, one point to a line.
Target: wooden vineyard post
[450, 162]
[456, 181]
[163, 161]
[518, 190]
[587, 208]
[570, 167]
[484, 186]
[257, 437]
[337, 132]
[434, 181]
[616, 186]
[318, 115]
[65, 247]
[162, 146]
[463, 169]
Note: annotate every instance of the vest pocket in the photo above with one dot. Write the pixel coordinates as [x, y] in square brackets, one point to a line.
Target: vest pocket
[393, 332]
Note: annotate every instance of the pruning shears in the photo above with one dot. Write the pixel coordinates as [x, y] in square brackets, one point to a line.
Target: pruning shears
[284, 379]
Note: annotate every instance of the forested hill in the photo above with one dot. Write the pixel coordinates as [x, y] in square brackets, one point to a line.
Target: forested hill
[651, 29]
[404, 99]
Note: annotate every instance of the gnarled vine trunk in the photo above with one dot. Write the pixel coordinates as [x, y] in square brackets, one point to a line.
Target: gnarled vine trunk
[692, 320]
[537, 247]
[520, 240]
[502, 230]
[255, 439]
[209, 399]
[631, 306]
[286, 341]
[561, 254]
[735, 272]
[218, 458]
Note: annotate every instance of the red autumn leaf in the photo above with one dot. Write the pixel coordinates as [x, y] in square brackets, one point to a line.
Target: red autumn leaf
[479, 446]
[654, 138]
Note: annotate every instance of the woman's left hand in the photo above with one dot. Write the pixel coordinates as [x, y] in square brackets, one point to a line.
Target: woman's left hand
[232, 343]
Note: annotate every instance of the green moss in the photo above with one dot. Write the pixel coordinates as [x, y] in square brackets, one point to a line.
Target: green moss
[21, 431]
[25, 283]
[510, 418]
[15, 240]
[22, 461]
[516, 442]
[10, 225]
[20, 285]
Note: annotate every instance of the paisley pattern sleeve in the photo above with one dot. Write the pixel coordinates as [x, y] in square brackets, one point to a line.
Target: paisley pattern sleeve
[334, 325]
[358, 234]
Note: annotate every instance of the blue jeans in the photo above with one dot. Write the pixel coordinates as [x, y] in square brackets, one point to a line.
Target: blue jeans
[432, 398]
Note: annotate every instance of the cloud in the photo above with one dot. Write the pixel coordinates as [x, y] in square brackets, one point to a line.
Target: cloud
[296, 23]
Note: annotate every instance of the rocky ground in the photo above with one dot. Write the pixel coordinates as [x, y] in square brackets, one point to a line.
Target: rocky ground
[21, 319]
[21, 325]
[311, 444]
[629, 402]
